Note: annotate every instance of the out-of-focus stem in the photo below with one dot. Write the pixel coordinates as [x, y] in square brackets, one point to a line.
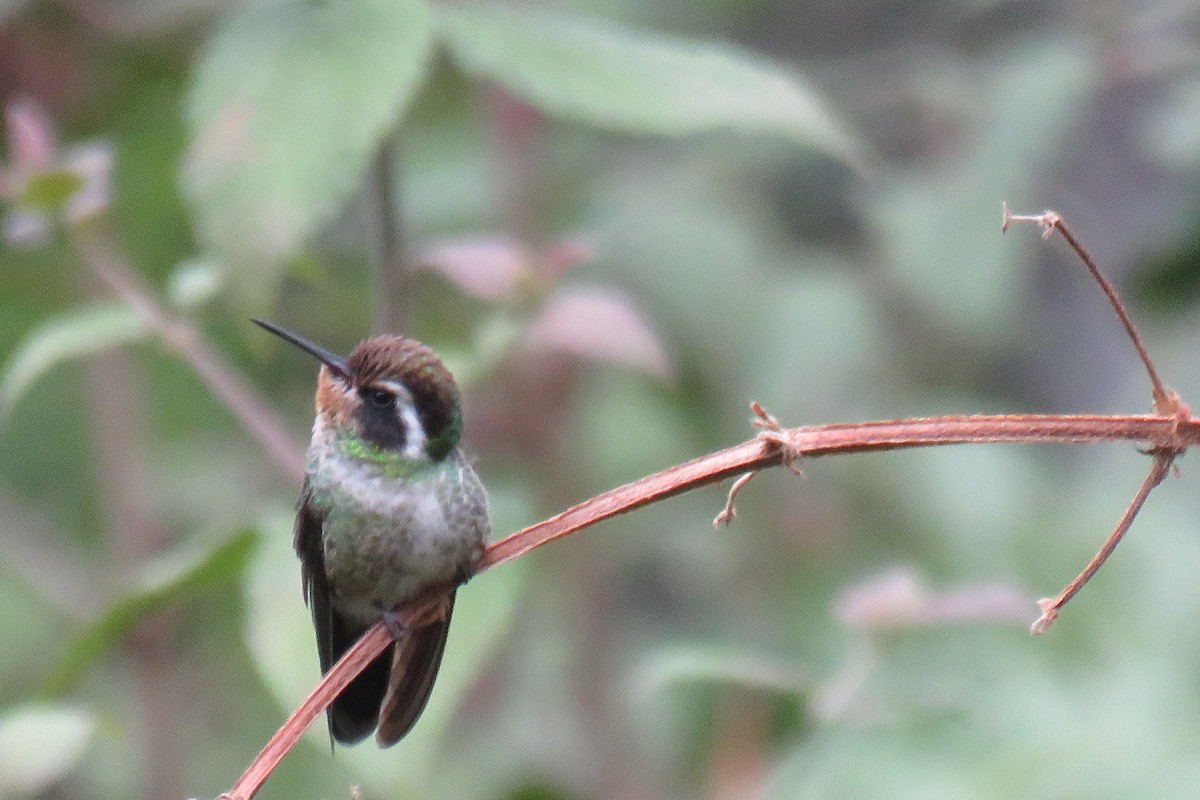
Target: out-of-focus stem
[389, 263]
[230, 388]
[135, 533]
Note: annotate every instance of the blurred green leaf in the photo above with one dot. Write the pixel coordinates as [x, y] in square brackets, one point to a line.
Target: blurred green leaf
[81, 333]
[678, 665]
[1027, 108]
[51, 189]
[39, 745]
[291, 100]
[632, 81]
[163, 580]
[195, 282]
[279, 633]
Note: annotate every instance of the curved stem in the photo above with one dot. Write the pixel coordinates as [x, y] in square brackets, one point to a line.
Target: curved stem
[822, 440]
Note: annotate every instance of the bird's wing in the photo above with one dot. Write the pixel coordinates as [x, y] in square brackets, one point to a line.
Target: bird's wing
[414, 669]
[354, 713]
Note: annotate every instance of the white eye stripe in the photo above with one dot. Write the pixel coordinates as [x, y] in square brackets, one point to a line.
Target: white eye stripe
[406, 412]
[414, 434]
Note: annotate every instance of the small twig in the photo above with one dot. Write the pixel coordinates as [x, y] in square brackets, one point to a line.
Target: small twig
[771, 433]
[1052, 605]
[730, 510]
[1165, 400]
[1164, 463]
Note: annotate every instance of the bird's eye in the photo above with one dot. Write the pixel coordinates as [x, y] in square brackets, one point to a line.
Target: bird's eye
[380, 398]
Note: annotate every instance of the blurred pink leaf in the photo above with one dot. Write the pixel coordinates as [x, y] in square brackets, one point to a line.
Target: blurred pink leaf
[498, 268]
[553, 262]
[600, 324]
[30, 136]
[900, 599]
[491, 269]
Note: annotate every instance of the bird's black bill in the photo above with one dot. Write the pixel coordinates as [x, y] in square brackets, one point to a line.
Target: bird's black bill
[336, 363]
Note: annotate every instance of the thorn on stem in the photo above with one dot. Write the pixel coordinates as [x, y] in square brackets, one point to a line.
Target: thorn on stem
[771, 431]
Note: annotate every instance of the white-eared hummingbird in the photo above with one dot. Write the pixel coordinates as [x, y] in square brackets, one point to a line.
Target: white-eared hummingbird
[390, 509]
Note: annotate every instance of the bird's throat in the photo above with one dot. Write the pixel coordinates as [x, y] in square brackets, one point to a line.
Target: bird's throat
[391, 463]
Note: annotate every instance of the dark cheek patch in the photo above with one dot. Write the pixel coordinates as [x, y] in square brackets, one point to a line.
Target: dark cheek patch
[381, 427]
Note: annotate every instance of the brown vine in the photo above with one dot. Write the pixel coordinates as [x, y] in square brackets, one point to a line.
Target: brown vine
[1166, 435]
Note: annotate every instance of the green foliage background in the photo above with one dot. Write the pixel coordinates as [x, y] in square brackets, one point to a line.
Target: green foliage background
[795, 203]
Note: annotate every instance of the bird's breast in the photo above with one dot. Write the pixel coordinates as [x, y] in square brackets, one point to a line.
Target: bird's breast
[386, 538]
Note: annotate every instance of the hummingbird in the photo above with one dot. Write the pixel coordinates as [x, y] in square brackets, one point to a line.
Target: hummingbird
[390, 508]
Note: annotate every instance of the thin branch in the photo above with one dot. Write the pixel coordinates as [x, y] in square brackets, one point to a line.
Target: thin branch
[840, 438]
[356, 659]
[370, 646]
[1051, 606]
[1161, 434]
[1165, 400]
[235, 393]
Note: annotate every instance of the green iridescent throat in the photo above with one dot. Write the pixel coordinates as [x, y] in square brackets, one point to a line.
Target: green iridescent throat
[393, 464]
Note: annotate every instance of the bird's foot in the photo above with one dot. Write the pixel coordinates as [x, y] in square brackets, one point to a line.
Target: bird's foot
[396, 625]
